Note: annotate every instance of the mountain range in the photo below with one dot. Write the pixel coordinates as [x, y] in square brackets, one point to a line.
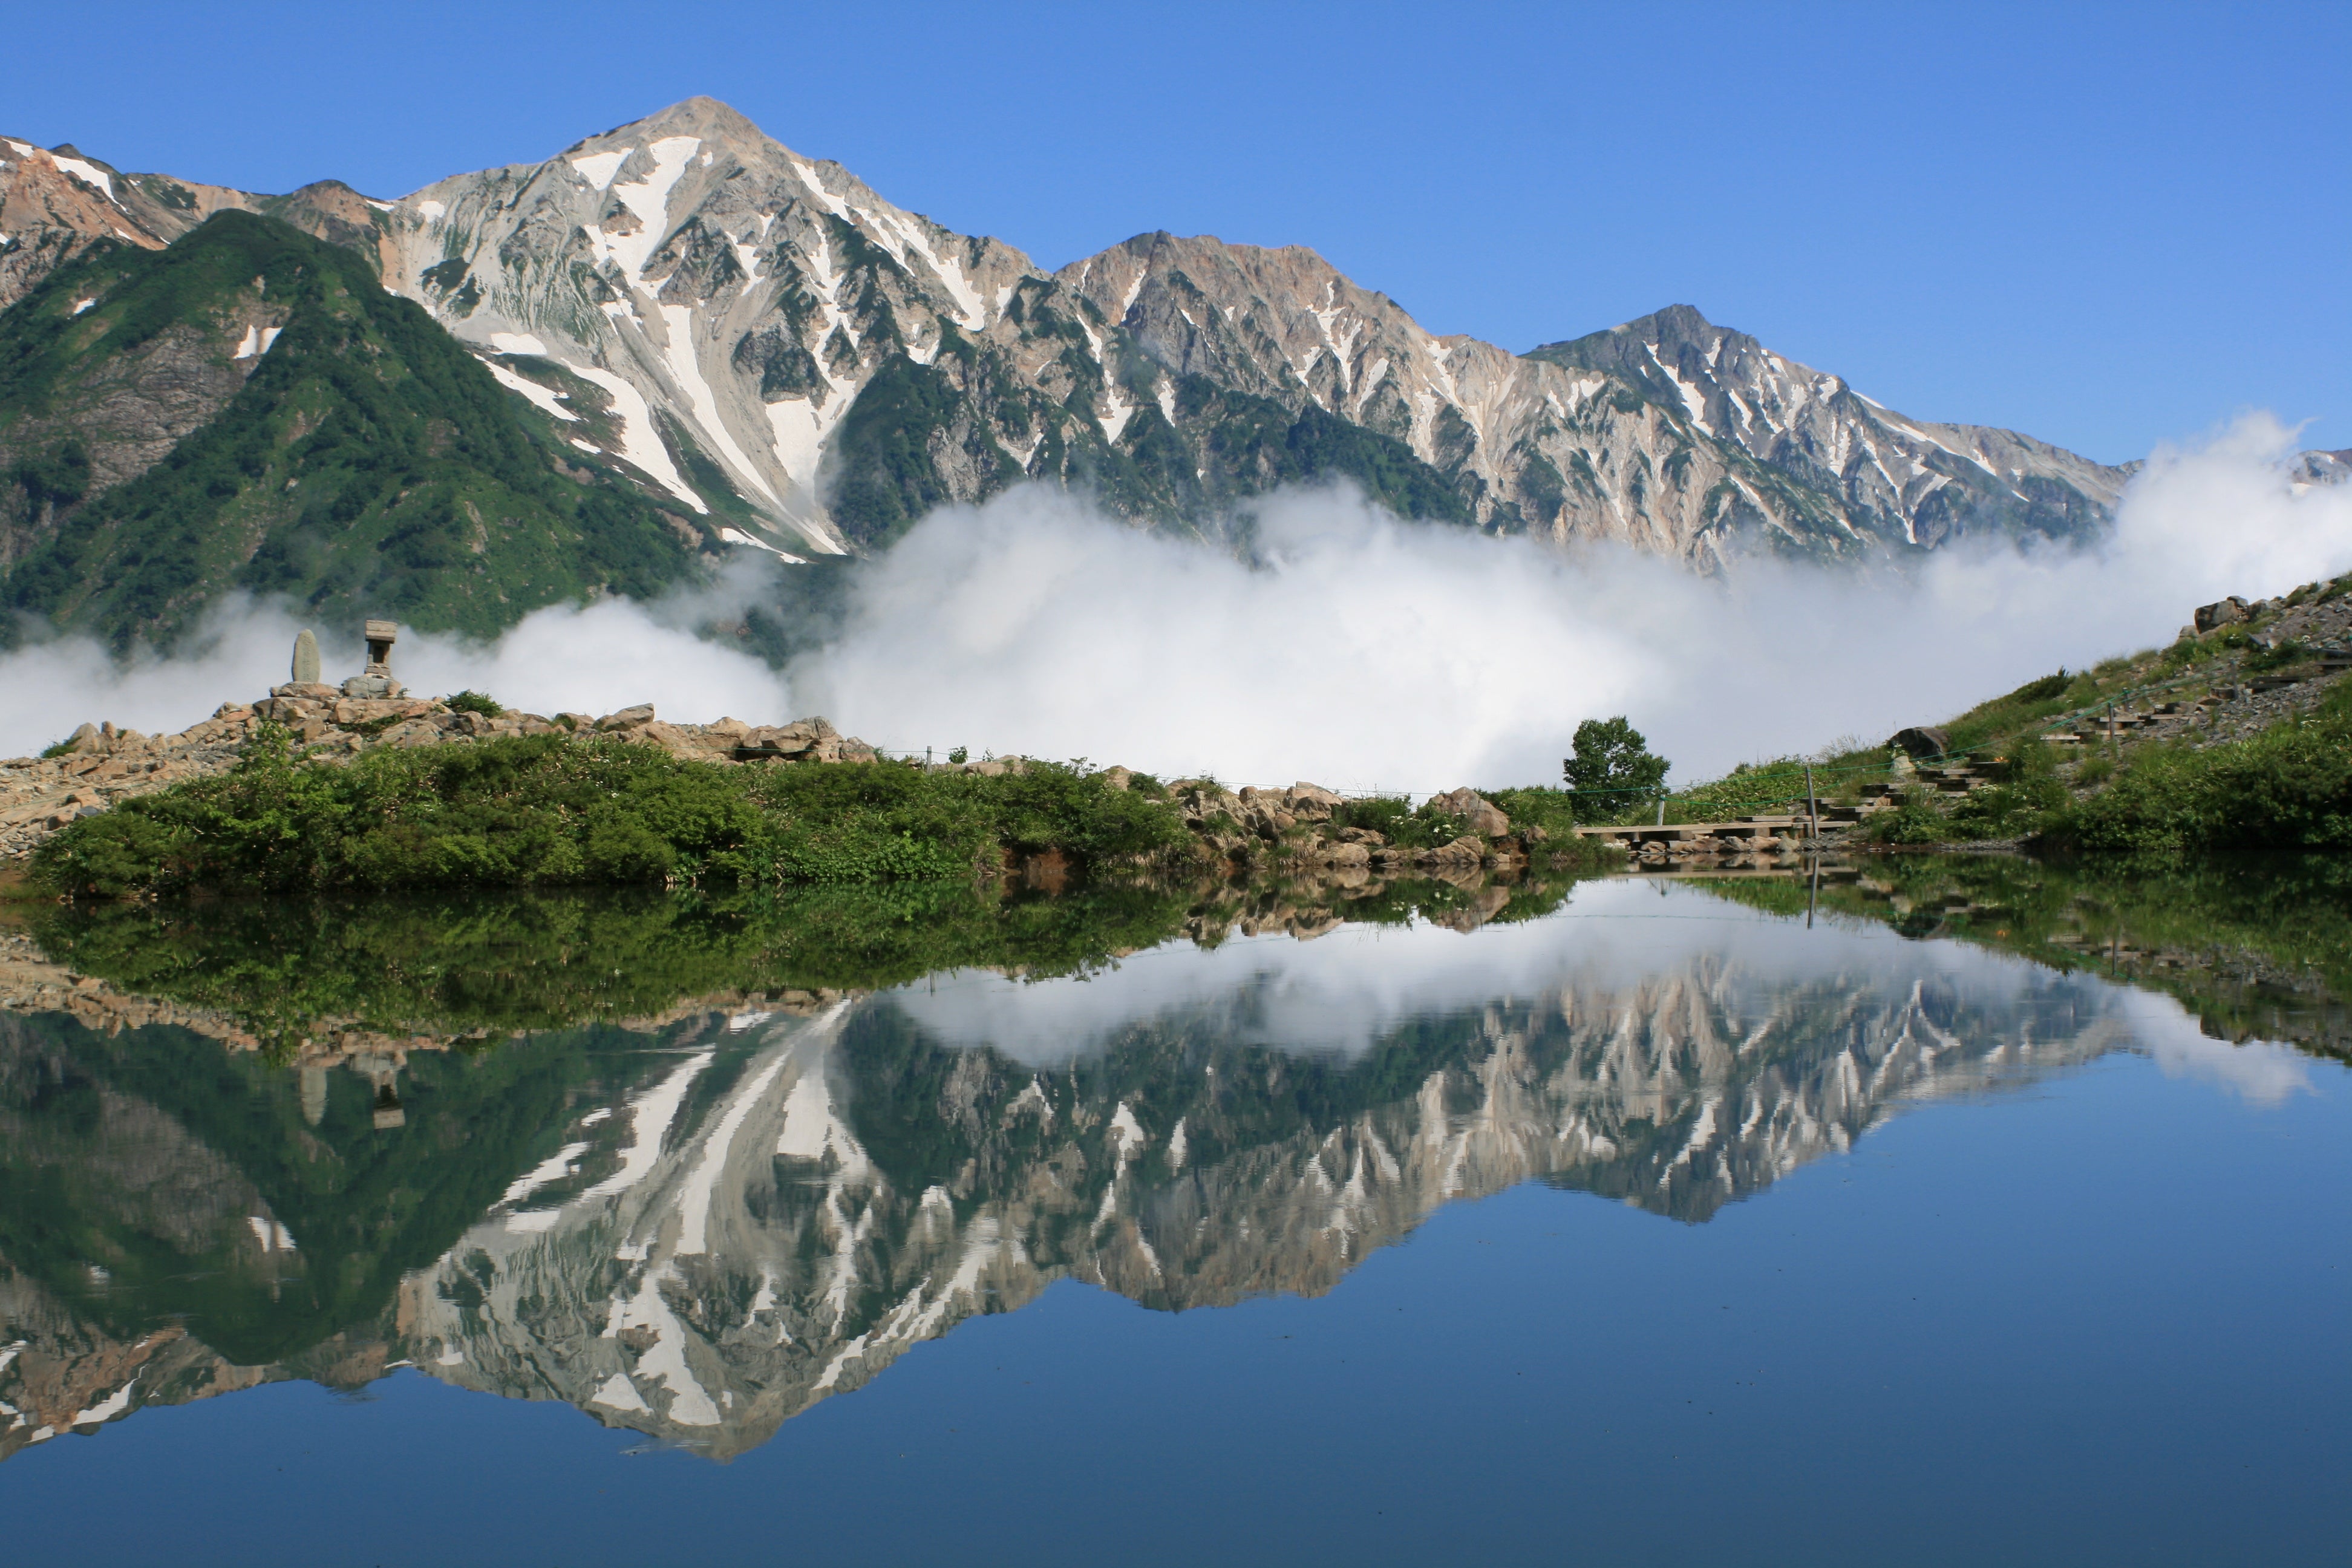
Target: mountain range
[709, 341]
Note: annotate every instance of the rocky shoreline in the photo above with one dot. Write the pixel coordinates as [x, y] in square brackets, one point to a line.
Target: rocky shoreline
[1293, 830]
[101, 765]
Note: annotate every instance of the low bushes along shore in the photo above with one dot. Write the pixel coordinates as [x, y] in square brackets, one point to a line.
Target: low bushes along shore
[551, 809]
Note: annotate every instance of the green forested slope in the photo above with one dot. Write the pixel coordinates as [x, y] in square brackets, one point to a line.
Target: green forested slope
[368, 465]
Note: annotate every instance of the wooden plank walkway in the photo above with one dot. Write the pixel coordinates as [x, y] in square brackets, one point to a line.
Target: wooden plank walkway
[1685, 832]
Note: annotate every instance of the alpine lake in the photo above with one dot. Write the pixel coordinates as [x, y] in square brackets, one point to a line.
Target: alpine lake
[1902, 1210]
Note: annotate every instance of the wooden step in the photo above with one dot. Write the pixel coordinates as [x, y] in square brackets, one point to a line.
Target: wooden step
[1683, 832]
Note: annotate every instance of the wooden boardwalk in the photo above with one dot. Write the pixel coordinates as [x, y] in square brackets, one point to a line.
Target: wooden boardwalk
[1951, 780]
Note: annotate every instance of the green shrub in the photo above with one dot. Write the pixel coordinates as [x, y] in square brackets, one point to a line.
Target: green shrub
[470, 701]
[2044, 689]
[1553, 810]
[57, 749]
[1774, 785]
[1916, 819]
[2286, 788]
[1377, 814]
[2017, 808]
[1396, 819]
[551, 809]
[2263, 660]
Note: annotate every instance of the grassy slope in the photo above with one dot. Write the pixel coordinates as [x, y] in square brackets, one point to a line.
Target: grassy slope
[369, 464]
[2288, 787]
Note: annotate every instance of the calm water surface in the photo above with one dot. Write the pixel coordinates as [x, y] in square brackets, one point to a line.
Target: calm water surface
[1655, 1230]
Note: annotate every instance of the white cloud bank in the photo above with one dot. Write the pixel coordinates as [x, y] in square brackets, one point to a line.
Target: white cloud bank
[1362, 652]
[1355, 650]
[587, 659]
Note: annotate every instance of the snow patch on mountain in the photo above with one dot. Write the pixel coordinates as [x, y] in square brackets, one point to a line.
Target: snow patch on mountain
[598, 168]
[83, 170]
[641, 444]
[539, 395]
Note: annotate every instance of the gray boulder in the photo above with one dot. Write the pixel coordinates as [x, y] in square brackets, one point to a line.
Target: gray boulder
[1478, 812]
[2221, 613]
[1920, 741]
[632, 718]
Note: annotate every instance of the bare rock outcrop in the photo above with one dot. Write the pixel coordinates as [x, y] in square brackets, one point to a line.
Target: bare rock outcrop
[1478, 814]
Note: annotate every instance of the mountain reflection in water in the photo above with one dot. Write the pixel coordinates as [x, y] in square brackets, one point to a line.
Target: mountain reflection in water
[700, 1227]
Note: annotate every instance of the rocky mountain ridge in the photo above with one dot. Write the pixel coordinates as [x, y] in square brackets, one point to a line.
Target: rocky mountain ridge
[771, 347]
[1837, 458]
[55, 203]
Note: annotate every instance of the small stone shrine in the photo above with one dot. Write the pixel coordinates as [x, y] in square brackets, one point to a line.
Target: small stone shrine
[377, 680]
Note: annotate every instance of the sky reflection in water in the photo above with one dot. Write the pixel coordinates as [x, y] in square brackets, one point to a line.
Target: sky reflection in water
[2075, 1298]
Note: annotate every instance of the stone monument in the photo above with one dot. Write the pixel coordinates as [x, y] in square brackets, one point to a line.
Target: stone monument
[306, 658]
[376, 681]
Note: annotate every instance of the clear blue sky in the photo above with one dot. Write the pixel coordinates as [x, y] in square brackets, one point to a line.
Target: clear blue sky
[2106, 226]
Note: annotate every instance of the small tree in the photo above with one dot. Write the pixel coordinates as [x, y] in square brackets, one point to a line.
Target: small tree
[1613, 770]
[475, 702]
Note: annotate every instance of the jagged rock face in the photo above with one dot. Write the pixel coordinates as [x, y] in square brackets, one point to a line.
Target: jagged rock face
[731, 300]
[2323, 468]
[1522, 445]
[60, 1373]
[1732, 448]
[54, 206]
[1844, 462]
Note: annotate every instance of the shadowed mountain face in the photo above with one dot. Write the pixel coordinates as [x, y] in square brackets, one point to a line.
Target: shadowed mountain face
[700, 1230]
[787, 362]
[248, 410]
